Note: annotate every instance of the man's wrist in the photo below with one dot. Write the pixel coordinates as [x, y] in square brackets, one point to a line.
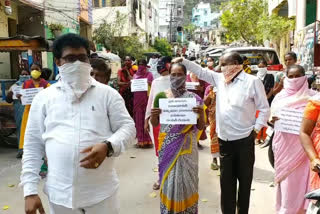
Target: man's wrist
[110, 150]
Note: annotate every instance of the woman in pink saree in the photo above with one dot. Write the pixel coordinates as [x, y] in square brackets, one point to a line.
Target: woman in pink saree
[140, 101]
[291, 162]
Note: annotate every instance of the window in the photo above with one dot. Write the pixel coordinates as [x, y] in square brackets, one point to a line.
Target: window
[179, 11]
[96, 3]
[140, 10]
[205, 24]
[150, 10]
[104, 3]
[205, 12]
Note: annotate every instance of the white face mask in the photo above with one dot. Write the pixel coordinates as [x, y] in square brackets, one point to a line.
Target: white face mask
[77, 76]
[262, 72]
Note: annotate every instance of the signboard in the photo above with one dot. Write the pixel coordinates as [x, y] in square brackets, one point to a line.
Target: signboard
[191, 85]
[289, 121]
[178, 111]
[28, 95]
[139, 85]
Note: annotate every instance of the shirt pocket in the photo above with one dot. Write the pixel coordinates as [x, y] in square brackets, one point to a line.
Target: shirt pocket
[238, 100]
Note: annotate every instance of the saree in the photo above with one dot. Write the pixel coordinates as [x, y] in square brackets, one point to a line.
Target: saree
[291, 161]
[125, 90]
[140, 102]
[312, 112]
[214, 144]
[28, 84]
[178, 166]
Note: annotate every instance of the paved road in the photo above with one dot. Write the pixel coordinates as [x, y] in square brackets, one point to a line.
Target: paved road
[137, 176]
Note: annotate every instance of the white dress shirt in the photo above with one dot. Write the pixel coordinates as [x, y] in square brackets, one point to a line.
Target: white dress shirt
[60, 128]
[160, 84]
[237, 102]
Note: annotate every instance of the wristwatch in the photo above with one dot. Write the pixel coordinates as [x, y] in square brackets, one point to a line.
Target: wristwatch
[110, 151]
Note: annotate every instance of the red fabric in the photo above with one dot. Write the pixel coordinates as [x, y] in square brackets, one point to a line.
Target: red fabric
[156, 131]
[29, 84]
[123, 78]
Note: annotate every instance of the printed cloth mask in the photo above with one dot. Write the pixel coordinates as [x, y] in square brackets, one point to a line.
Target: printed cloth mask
[77, 76]
[262, 72]
[35, 74]
[177, 85]
[230, 72]
[161, 67]
[210, 64]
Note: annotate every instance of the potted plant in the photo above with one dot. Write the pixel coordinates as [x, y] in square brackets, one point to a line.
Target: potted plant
[56, 29]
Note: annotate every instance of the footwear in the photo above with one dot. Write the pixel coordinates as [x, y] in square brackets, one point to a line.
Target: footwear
[20, 154]
[156, 186]
[214, 166]
[200, 147]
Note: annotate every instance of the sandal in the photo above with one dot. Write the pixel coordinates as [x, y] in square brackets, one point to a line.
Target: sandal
[156, 186]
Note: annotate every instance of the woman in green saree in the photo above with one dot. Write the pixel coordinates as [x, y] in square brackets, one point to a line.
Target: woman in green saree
[178, 152]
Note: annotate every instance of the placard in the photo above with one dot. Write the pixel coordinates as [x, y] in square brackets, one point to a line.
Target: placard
[191, 85]
[29, 94]
[16, 90]
[139, 85]
[178, 111]
[289, 121]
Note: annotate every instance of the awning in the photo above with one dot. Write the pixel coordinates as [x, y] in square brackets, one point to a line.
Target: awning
[23, 43]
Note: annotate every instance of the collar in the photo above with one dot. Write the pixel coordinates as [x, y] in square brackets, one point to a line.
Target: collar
[240, 76]
[94, 83]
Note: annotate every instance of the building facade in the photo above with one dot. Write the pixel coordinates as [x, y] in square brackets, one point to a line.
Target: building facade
[170, 18]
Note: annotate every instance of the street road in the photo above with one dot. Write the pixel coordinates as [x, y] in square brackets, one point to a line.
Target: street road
[136, 172]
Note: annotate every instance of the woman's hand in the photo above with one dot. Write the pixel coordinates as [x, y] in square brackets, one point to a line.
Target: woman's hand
[274, 119]
[154, 118]
[199, 110]
[315, 165]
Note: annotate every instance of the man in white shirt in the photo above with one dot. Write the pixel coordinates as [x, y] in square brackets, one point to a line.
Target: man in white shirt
[160, 84]
[239, 96]
[76, 123]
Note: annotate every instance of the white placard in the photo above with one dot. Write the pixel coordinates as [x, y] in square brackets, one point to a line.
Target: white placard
[178, 111]
[16, 90]
[289, 121]
[29, 94]
[139, 85]
[191, 85]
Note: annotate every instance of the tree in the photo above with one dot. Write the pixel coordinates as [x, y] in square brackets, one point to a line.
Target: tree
[163, 46]
[110, 35]
[248, 20]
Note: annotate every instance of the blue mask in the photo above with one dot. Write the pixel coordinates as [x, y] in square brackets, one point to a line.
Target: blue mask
[23, 78]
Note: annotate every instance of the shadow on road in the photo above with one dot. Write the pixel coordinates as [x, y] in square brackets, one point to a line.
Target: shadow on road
[263, 176]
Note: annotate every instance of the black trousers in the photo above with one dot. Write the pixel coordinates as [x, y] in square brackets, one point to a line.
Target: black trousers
[237, 160]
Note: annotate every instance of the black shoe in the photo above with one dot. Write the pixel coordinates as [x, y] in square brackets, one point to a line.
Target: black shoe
[19, 155]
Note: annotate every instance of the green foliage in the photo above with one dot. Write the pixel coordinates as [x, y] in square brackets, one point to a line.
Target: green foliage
[55, 27]
[109, 34]
[163, 46]
[248, 20]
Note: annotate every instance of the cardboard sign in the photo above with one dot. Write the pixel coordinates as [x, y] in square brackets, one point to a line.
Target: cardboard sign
[178, 111]
[29, 94]
[139, 85]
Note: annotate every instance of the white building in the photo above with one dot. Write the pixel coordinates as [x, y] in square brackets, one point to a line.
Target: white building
[171, 17]
[142, 17]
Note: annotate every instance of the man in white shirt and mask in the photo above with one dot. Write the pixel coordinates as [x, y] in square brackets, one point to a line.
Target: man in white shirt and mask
[80, 125]
[239, 96]
[153, 62]
[160, 84]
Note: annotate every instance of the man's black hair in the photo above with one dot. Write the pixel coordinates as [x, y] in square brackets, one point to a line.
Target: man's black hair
[298, 67]
[292, 54]
[37, 64]
[263, 61]
[179, 65]
[69, 40]
[166, 59]
[101, 66]
[46, 73]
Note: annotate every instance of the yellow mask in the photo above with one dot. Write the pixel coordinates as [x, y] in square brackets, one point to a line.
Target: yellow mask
[35, 74]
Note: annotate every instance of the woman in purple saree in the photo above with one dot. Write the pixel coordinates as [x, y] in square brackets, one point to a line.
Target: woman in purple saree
[178, 152]
[140, 101]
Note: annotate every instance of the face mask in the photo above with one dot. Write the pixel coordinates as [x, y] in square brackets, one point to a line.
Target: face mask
[230, 72]
[210, 64]
[35, 74]
[77, 76]
[262, 72]
[294, 85]
[128, 63]
[23, 78]
[161, 67]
